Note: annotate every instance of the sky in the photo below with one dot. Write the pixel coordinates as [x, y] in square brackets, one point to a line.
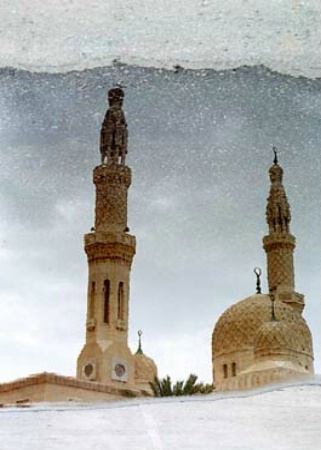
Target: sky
[200, 142]
[192, 423]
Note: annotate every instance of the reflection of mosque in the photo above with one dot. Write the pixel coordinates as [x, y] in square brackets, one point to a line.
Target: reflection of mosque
[256, 341]
[253, 344]
[264, 338]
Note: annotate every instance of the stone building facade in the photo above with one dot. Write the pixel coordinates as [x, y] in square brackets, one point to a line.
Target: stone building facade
[264, 338]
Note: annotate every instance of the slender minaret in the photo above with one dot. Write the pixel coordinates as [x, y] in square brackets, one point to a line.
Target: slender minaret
[279, 244]
[110, 249]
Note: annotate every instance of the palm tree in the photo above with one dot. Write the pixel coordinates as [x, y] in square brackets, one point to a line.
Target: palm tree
[163, 387]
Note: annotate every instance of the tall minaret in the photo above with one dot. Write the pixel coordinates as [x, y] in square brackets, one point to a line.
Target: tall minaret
[110, 249]
[279, 244]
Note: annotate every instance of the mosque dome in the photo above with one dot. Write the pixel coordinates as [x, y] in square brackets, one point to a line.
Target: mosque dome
[237, 328]
[145, 368]
[277, 338]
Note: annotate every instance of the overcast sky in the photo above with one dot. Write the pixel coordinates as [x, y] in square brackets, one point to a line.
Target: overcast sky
[200, 149]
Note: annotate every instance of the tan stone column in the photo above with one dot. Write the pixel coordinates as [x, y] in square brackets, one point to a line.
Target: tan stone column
[279, 250]
[112, 183]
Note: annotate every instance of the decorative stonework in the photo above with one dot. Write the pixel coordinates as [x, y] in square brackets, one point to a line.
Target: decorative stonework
[275, 374]
[279, 249]
[112, 183]
[278, 213]
[110, 238]
[145, 368]
[237, 328]
[278, 338]
[113, 135]
[118, 253]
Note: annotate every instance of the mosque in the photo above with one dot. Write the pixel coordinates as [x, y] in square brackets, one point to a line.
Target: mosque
[259, 340]
[264, 338]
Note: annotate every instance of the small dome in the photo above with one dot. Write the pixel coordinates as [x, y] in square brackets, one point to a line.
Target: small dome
[237, 328]
[145, 368]
[276, 338]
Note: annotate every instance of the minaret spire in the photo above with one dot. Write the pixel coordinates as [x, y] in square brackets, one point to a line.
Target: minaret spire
[278, 213]
[258, 273]
[275, 155]
[113, 135]
[279, 244]
[139, 350]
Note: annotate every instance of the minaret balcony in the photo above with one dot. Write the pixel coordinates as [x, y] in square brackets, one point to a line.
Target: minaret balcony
[110, 238]
[278, 240]
[293, 299]
[119, 247]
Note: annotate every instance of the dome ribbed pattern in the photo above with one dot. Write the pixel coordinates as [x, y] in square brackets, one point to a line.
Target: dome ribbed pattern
[145, 368]
[238, 326]
[277, 338]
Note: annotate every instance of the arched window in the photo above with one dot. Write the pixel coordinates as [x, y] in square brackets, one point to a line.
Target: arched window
[106, 300]
[233, 369]
[225, 371]
[92, 300]
[120, 309]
